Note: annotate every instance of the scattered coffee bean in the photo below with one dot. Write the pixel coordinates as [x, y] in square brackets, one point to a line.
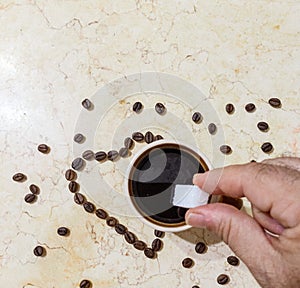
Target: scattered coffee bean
[275, 102]
[200, 247]
[232, 260]
[39, 251]
[159, 234]
[195, 286]
[158, 137]
[87, 104]
[250, 107]
[77, 163]
[267, 147]
[120, 229]
[149, 253]
[63, 231]
[73, 186]
[70, 175]
[79, 198]
[197, 117]
[252, 161]
[223, 279]
[229, 108]
[85, 284]
[128, 143]
[100, 156]
[160, 108]
[102, 214]
[112, 155]
[111, 221]
[181, 211]
[88, 155]
[19, 177]
[30, 198]
[89, 207]
[34, 189]
[212, 128]
[149, 137]
[43, 148]
[226, 149]
[187, 262]
[130, 237]
[138, 137]
[139, 245]
[124, 152]
[78, 138]
[263, 126]
[137, 107]
[157, 245]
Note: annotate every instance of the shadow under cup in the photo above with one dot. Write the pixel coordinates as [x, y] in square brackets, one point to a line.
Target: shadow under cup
[152, 179]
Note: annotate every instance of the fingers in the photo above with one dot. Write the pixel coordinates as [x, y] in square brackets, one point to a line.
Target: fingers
[288, 162]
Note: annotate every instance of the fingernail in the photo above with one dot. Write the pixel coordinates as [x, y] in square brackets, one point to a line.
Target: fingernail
[196, 220]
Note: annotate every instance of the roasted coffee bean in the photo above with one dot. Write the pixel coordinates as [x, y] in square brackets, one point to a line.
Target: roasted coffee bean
[19, 177]
[102, 214]
[63, 231]
[200, 248]
[212, 128]
[149, 137]
[195, 286]
[79, 198]
[112, 155]
[267, 147]
[197, 117]
[87, 104]
[43, 148]
[138, 137]
[137, 107]
[252, 161]
[130, 237]
[187, 262]
[70, 175]
[225, 149]
[73, 186]
[158, 137]
[263, 126]
[229, 108]
[39, 251]
[181, 211]
[275, 102]
[89, 207]
[100, 156]
[120, 229]
[85, 284]
[77, 163]
[159, 234]
[250, 107]
[34, 189]
[124, 152]
[128, 143]
[88, 155]
[223, 279]
[111, 221]
[30, 198]
[232, 260]
[78, 138]
[157, 245]
[160, 108]
[139, 245]
[149, 253]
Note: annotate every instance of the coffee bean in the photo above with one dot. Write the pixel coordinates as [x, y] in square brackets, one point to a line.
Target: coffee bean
[88, 155]
[73, 186]
[187, 262]
[89, 207]
[63, 231]
[232, 260]
[100, 156]
[275, 102]
[138, 137]
[130, 237]
[128, 143]
[87, 104]
[39, 251]
[43, 148]
[111, 221]
[19, 177]
[120, 229]
[157, 245]
[124, 152]
[34, 189]
[159, 234]
[149, 253]
[102, 214]
[197, 117]
[30, 198]
[85, 284]
[158, 137]
[160, 108]
[112, 155]
[212, 128]
[226, 149]
[139, 245]
[250, 107]
[149, 137]
[195, 286]
[253, 161]
[78, 163]
[78, 138]
[263, 126]
[70, 175]
[79, 198]
[229, 108]
[200, 248]
[181, 212]
[137, 107]
[267, 147]
[223, 279]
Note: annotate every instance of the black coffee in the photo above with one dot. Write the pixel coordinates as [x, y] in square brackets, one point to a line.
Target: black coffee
[153, 179]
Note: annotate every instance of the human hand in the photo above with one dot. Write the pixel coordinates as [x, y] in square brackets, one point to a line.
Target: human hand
[273, 189]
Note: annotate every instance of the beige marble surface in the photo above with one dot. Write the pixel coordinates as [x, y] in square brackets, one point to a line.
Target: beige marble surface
[53, 54]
